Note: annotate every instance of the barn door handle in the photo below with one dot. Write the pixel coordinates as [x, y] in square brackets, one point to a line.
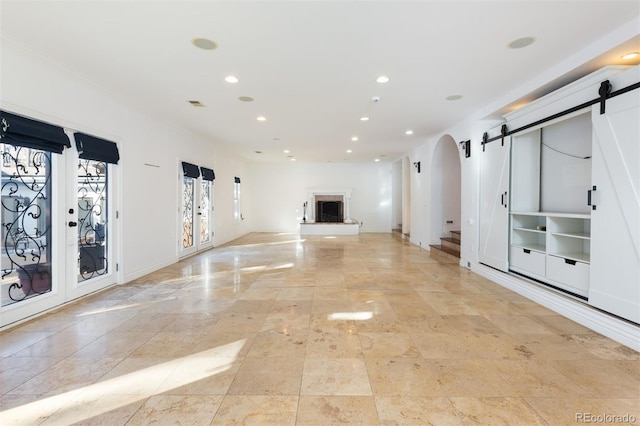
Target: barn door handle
[589, 198]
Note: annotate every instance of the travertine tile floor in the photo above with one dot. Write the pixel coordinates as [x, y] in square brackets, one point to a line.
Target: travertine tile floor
[278, 329]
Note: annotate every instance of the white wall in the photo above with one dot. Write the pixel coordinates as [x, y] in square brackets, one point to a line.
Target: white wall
[279, 191]
[445, 189]
[147, 196]
[396, 195]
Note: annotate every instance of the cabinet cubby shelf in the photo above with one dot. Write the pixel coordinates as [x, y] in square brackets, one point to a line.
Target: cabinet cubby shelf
[554, 214]
[581, 235]
[529, 230]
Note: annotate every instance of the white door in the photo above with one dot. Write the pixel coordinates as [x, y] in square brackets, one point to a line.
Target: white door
[33, 250]
[56, 228]
[91, 218]
[615, 221]
[196, 210]
[494, 204]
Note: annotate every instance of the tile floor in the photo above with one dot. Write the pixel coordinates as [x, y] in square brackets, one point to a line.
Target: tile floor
[274, 329]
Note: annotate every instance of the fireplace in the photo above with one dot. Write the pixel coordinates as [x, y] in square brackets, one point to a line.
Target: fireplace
[329, 211]
[330, 205]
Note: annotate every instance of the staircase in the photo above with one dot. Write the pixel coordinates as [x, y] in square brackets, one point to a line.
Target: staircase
[449, 246]
[397, 232]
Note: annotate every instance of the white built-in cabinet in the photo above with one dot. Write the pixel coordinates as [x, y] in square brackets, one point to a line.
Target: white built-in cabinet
[571, 191]
[552, 247]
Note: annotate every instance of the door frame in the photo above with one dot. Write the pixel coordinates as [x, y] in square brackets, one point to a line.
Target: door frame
[196, 246]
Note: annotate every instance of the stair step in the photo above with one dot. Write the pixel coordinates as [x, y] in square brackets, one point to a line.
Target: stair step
[451, 243]
[445, 251]
[451, 240]
[398, 233]
[456, 235]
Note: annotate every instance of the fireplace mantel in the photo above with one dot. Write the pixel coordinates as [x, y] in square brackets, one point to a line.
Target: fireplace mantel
[343, 193]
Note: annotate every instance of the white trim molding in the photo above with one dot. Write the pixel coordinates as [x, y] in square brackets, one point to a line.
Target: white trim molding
[345, 193]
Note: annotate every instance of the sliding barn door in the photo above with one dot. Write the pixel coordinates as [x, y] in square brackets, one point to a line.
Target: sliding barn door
[494, 204]
[615, 221]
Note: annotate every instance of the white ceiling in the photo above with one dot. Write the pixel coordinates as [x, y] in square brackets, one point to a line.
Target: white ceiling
[311, 66]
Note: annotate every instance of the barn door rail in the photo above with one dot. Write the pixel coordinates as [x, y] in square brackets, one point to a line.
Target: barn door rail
[604, 93]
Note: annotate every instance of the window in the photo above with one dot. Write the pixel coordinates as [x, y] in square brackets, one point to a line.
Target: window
[237, 215]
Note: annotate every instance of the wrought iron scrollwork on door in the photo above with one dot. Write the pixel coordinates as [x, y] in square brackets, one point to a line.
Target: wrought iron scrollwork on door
[92, 219]
[26, 222]
[187, 211]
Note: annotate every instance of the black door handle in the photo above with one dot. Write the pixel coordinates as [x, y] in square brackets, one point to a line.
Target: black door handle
[72, 224]
[589, 200]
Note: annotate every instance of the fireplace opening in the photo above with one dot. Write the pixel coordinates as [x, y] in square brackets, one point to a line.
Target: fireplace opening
[329, 211]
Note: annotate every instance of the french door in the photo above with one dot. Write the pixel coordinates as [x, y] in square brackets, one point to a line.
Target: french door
[196, 209]
[56, 216]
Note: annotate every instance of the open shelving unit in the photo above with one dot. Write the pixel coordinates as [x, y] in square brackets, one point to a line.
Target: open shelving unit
[570, 237]
[552, 247]
[529, 231]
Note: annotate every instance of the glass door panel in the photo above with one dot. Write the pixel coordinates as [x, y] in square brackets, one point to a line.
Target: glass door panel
[204, 212]
[188, 222]
[93, 219]
[26, 260]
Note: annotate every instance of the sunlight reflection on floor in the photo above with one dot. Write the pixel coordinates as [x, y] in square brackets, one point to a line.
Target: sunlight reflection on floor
[129, 388]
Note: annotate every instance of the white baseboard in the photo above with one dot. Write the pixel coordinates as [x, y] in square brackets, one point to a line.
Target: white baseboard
[608, 325]
[144, 271]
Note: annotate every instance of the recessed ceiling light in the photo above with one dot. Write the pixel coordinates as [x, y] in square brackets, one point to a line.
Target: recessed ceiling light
[261, 118]
[231, 79]
[376, 160]
[382, 79]
[354, 138]
[293, 159]
[364, 118]
[630, 55]
[286, 151]
[203, 43]
[349, 151]
[408, 132]
[453, 97]
[196, 103]
[521, 42]
[245, 98]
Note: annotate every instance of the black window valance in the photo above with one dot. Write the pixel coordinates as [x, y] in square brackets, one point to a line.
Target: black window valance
[22, 131]
[92, 148]
[207, 174]
[190, 170]
[236, 179]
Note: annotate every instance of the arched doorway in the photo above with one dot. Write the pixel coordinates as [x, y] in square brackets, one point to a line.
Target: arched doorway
[445, 197]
